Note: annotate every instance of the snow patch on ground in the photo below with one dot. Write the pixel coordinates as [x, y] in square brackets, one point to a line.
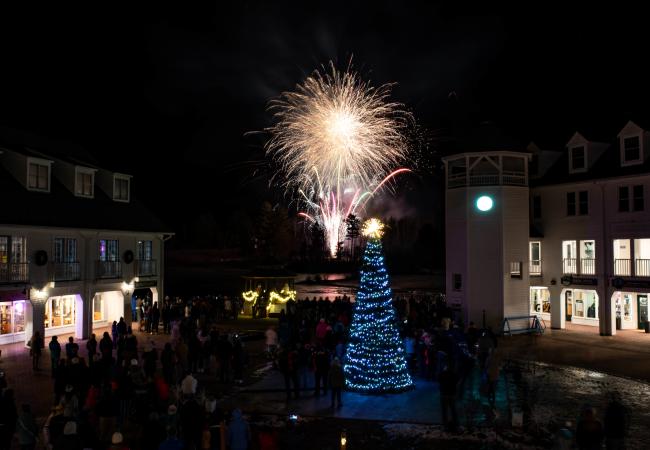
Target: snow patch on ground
[422, 433]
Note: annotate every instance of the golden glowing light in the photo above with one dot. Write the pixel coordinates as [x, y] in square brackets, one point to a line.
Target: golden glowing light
[249, 296]
[373, 228]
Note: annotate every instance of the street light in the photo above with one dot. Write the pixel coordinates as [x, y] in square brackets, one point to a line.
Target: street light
[127, 288]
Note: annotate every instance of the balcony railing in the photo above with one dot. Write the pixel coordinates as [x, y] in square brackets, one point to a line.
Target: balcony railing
[509, 178]
[535, 267]
[14, 272]
[570, 266]
[588, 266]
[622, 267]
[109, 269]
[145, 267]
[66, 271]
[642, 267]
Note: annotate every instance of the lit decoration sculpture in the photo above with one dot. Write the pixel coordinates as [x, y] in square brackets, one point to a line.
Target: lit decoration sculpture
[250, 296]
[337, 141]
[375, 361]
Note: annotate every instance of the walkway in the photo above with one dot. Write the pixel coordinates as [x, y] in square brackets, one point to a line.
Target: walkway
[421, 405]
[627, 354]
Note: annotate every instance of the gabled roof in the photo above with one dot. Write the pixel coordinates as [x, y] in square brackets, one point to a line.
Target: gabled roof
[60, 207]
[630, 126]
[608, 165]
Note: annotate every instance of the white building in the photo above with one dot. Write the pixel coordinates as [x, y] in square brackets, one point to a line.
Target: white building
[74, 245]
[586, 259]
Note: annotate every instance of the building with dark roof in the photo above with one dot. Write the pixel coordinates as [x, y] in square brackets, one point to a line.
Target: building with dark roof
[566, 237]
[75, 243]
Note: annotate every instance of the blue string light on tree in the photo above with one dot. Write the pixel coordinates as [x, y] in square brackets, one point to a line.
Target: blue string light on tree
[375, 360]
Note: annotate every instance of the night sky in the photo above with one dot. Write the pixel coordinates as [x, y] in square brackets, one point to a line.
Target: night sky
[172, 94]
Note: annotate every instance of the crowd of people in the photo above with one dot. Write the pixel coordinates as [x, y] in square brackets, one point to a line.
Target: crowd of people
[308, 347]
[124, 391]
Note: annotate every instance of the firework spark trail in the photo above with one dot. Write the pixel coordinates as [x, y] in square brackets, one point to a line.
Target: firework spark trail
[335, 135]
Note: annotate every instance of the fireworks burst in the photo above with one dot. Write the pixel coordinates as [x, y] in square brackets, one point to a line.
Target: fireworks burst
[337, 139]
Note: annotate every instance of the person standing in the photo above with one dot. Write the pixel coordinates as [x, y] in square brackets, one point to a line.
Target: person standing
[36, 349]
[166, 316]
[321, 369]
[71, 349]
[155, 318]
[91, 347]
[336, 381]
[55, 354]
[106, 348]
[114, 333]
[271, 342]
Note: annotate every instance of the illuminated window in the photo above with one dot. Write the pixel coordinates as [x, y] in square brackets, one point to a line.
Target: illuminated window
[586, 304]
[6, 318]
[60, 312]
[540, 300]
[98, 308]
[109, 250]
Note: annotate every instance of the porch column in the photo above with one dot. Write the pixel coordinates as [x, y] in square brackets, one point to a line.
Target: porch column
[35, 318]
[558, 311]
[84, 311]
[606, 313]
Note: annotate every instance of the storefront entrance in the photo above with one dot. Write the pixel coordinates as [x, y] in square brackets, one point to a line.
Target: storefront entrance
[568, 305]
[107, 308]
[642, 305]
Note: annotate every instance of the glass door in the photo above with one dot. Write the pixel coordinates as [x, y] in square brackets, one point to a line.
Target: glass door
[568, 305]
[642, 303]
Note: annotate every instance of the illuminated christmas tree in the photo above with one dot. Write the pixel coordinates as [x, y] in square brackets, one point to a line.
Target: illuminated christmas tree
[375, 360]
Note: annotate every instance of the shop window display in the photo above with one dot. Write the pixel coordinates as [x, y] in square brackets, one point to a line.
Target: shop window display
[585, 305]
[5, 318]
[540, 300]
[12, 317]
[627, 307]
[60, 312]
[98, 308]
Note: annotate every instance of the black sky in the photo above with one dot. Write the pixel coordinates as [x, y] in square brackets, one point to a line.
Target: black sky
[169, 92]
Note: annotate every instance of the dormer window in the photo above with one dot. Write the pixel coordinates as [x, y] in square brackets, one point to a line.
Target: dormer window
[578, 159]
[84, 182]
[631, 150]
[121, 188]
[38, 175]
